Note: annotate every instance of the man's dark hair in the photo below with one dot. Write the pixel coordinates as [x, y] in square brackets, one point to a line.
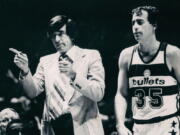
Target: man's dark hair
[14, 127]
[59, 21]
[152, 11]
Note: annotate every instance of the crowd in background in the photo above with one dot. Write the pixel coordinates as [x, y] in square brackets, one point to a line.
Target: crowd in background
[18, 114]
[21, 115]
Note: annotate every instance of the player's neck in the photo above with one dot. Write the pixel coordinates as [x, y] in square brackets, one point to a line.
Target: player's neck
[149, 47]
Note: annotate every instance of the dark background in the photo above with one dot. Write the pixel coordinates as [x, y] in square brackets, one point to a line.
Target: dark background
[104, 25]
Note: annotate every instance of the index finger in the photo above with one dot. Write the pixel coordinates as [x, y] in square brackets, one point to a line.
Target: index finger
[14, 50]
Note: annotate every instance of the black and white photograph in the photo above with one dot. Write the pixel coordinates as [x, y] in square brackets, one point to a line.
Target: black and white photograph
[89, 67]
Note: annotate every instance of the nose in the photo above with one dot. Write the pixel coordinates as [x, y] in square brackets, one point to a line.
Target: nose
[135, 27]
[57, 38]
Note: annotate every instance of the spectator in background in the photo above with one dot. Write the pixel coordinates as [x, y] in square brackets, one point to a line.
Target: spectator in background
[9, 88]
[6, 116]
[15, 127]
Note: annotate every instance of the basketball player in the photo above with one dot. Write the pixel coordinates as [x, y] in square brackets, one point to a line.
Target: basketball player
[149, 74]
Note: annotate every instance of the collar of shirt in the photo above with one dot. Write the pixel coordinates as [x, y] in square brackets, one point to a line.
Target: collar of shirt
[70, 53]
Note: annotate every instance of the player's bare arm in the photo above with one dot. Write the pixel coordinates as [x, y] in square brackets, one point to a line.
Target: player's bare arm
[173, 60]
[122, 91]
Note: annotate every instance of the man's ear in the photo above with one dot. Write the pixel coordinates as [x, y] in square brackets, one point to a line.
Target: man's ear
[155, 26]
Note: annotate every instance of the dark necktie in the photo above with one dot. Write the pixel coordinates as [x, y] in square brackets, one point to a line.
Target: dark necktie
[66, 57]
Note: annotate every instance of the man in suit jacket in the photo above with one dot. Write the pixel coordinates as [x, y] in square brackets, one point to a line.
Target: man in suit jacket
[72, 78]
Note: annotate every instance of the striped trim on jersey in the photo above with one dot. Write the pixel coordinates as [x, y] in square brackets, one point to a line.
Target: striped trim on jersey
[152, 86]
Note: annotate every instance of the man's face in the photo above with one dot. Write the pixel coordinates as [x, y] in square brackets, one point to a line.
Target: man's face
[141, 27]
[4, 122]
[61, 41]
[6, 116]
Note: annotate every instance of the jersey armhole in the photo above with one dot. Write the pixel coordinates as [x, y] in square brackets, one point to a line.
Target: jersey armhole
[165, 57]
[165, 53]
[171, 71]
[133, 50]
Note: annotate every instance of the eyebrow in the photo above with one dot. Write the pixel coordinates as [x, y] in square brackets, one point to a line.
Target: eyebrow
[137, 20]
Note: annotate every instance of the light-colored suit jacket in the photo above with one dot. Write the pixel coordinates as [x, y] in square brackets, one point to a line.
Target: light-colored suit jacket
[88, 88]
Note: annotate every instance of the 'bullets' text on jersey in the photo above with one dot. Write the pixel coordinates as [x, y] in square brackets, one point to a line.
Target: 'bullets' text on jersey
[152, 86]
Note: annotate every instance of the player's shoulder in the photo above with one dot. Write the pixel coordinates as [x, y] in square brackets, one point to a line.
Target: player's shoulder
[126, 55]
[172, 50]
[172, 56]
[127, 51]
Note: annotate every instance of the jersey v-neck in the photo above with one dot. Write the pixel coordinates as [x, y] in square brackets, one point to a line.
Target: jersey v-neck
[153, 57]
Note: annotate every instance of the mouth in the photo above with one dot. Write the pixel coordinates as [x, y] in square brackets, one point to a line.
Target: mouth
[137, 34]
[60, 45]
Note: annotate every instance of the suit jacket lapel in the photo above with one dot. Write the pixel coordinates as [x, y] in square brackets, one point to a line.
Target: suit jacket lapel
[76, 56]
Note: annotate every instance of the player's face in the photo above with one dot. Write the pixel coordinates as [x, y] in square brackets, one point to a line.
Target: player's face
[141, 27]
[61, 41]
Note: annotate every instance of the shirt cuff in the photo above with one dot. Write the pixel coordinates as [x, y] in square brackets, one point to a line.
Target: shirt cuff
[23, 76]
